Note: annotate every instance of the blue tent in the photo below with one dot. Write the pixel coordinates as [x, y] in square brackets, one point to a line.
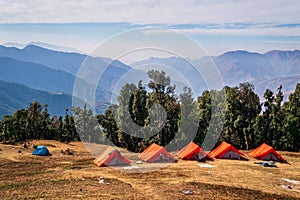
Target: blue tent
[41, 151]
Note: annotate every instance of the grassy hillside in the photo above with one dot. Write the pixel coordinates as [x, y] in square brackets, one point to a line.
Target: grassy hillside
[25, 176]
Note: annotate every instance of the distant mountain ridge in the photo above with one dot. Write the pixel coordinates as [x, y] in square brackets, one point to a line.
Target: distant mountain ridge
[265, 66]
[43, 45]
[268, 70]
[35, 76]
[54, 72]
[66, 61]
[69, 62]
[14, 96]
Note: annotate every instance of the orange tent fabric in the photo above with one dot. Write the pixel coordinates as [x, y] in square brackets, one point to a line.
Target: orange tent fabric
[191, 152]
[227, 151]
[156, 153]
[111, 157]
[266, 152]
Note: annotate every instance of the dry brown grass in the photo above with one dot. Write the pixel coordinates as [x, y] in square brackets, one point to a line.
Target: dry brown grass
[24, 176]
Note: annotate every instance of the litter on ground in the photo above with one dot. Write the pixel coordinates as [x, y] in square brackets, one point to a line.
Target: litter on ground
[286, 186]
[131, 167]
[291, 181]
[266, 164]
[101, 181]
[206, 165]
[187, 192]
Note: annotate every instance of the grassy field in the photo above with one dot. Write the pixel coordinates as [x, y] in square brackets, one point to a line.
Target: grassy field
[24, 176]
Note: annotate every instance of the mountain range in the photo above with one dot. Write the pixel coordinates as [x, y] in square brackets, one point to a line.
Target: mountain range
[43, 45]
[268, 70]
[255, 67]
[53, 71]
[14, 96]
[34, 72]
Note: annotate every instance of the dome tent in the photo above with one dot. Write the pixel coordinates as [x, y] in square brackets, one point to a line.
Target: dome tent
[41, 151]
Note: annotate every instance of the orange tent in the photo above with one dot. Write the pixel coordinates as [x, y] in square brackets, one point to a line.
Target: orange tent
[111, 157]
[192, 152]
[227, 151]
[156, 153]
[266, 152]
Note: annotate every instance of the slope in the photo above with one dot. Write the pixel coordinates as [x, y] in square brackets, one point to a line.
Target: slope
[35, 75]
[14, 96]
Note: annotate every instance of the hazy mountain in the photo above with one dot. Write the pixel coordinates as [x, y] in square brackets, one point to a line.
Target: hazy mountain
[14, 44]
[43, 45]
[14, 96]
[46, 79]
[242, 66]
[181, 71]
[267, 70]
[36, 76]
[288, 85]
[69, 62]
[284, 63]
[54, 71]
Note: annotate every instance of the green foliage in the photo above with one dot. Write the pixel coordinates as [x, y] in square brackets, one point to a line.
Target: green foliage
[36, 123]
[156, 114]
[292, 121]
[87, 125]
[133, 123]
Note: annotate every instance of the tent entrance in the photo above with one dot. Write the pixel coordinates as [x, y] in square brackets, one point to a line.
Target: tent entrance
[271, 156]
[116, 161]
[163, 158]
[231, 155]
[197, 156]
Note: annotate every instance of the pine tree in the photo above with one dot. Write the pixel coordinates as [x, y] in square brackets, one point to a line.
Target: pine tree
[292, 109]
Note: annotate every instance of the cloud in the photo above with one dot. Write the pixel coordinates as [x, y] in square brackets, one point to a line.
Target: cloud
[150, 11]
[195, 18]
[252, 31]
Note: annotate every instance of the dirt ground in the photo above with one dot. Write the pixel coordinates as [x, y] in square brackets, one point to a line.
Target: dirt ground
[59, 176]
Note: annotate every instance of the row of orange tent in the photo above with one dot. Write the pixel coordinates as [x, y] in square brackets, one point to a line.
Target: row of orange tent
[263, 152]
[155, 153]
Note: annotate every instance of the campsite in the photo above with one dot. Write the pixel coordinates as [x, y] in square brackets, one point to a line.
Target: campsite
[27, 176]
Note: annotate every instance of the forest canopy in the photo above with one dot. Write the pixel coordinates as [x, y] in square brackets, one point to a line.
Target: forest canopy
[157, 114]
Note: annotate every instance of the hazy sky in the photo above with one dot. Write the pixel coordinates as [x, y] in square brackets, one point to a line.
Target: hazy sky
[218, 26]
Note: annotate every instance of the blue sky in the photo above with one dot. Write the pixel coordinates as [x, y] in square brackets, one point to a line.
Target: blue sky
[217, 25]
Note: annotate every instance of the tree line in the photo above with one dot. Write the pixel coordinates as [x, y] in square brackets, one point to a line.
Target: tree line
[35, 122]
[155, 113]
[245, 121]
